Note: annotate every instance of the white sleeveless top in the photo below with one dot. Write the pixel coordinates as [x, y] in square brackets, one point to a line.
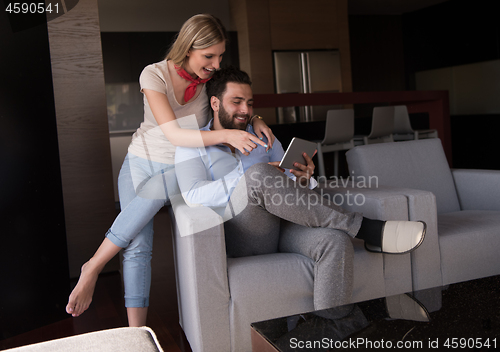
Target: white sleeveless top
[148, 141]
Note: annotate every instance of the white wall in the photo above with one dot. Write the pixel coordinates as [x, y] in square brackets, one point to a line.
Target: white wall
[473, 88]
[156, 15]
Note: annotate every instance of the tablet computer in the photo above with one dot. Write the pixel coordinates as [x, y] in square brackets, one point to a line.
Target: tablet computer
[294, 153]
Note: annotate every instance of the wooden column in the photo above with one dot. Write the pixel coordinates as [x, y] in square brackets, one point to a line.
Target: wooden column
[252, 22]
[82, 125]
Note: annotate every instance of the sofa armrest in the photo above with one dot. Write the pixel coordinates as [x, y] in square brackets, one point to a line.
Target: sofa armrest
[201, 274]
[477, 189]
[371, 202]
[130, 339]
[375, 204]
[391, 203]
[426, 260]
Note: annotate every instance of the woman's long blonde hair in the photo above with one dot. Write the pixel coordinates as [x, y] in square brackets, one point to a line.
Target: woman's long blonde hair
[198, 32]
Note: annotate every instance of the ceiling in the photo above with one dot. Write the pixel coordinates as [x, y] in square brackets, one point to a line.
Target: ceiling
[388, 7]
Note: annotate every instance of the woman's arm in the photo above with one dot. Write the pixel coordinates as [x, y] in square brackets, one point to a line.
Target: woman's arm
[181, 137]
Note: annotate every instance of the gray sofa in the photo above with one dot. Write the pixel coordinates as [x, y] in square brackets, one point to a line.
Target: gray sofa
[219, 297]
[461, 208]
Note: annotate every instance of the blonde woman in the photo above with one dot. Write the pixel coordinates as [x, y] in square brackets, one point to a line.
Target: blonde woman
[175, 107]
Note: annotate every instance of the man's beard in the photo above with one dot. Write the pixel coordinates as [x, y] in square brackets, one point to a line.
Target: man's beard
[228, 122]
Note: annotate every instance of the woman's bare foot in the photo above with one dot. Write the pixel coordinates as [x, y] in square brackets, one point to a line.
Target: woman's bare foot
[81, 296]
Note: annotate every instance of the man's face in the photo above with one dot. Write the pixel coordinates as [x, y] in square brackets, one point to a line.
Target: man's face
[236, 108]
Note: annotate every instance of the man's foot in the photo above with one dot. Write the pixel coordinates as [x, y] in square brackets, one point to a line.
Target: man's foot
[81, 296]
[400, 237]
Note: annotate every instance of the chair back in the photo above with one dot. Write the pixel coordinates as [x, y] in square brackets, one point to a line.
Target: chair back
[402, 123]
[382, 122]
[419, 164]
[339, 126]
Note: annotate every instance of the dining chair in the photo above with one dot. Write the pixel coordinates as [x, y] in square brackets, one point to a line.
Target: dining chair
[402, 127]
[339, 135]
[382, 127]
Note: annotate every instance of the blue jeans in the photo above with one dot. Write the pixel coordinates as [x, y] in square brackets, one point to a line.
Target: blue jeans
[143, 188]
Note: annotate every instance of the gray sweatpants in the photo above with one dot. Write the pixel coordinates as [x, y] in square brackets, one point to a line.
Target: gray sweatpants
[269, 213]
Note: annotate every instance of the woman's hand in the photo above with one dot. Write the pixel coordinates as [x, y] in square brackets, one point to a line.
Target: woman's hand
[260, 127]
[243, 141]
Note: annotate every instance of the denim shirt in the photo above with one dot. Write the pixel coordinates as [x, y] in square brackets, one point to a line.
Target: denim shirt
[208, 175]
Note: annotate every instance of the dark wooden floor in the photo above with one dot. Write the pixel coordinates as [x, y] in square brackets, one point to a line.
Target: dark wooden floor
[107, 309]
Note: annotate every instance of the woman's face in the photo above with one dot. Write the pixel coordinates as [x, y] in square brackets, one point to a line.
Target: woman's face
[204, 62]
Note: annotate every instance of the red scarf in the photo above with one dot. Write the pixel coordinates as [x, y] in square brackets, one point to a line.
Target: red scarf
[191, 89]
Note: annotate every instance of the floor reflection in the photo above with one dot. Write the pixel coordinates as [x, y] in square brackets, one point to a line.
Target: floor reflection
[465, 315]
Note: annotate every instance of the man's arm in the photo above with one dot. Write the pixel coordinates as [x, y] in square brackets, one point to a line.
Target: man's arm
[196, 181]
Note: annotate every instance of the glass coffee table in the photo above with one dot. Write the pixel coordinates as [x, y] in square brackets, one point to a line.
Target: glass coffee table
[462, 316]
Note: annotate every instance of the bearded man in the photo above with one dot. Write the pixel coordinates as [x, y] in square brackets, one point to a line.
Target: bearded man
[263, 206]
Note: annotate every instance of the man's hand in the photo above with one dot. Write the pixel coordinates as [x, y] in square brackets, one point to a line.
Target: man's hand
[276, 165]
[305, 172]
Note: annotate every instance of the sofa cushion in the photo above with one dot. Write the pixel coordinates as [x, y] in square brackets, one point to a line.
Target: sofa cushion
[468, 242]
[418, 164]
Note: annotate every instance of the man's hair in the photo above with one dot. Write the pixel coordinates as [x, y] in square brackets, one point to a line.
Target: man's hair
[217, 85]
